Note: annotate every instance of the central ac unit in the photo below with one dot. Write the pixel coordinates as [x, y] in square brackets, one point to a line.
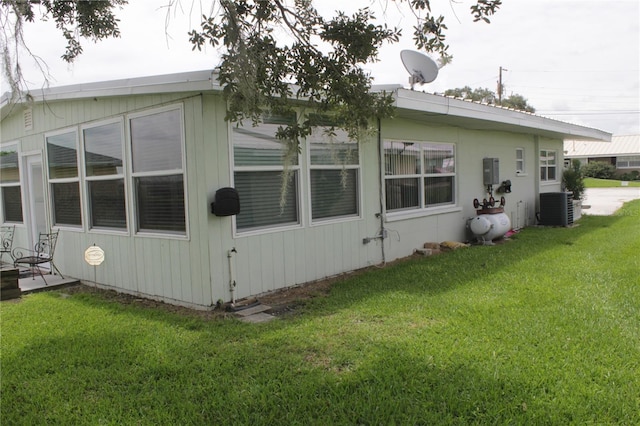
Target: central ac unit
[556, 209]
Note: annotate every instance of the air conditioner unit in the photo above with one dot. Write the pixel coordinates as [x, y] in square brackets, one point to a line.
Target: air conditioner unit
[556, 209]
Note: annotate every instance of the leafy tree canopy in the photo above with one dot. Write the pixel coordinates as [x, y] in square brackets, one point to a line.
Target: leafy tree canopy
[486, 96]
[265, 46]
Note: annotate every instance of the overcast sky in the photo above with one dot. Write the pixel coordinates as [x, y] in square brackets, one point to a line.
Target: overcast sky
[573, 60]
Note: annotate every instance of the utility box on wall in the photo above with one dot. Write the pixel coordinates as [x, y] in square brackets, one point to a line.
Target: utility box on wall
[490, 171]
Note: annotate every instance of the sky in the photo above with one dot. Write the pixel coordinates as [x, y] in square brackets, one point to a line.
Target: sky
[573, 60]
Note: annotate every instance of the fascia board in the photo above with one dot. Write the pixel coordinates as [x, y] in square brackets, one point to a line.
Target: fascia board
[516, 120]
[195, 81]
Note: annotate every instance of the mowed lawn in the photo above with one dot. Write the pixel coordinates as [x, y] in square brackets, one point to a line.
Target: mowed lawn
[543, 329]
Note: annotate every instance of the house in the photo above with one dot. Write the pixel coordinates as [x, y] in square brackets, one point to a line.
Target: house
[623, 152]
[133, 166]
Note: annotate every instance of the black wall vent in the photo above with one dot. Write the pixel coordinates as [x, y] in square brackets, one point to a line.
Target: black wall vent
[226, 202]
[556, 209]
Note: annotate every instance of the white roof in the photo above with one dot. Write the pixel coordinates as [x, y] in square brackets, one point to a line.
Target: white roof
[411, 104]
[620, 145]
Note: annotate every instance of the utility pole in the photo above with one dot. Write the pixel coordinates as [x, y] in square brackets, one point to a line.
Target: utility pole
[500, 87]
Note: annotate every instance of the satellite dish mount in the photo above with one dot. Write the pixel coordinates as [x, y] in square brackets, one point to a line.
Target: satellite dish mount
[422, 69]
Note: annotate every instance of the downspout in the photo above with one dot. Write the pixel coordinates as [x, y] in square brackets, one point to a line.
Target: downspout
[383, 231]
[232, 275]
[536, 174]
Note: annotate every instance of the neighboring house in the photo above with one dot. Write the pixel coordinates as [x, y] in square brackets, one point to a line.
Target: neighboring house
[133, 166]
[623, 152]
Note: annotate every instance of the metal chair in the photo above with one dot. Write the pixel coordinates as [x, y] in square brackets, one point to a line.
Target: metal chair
[42, 253]
[6, 239]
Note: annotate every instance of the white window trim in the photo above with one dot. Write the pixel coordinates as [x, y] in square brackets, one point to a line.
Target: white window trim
[239, 233]
[123, 175]
[420, 211]
[556, 166]
[49, 181]
[523, 171]
[132, 222]
[10, 145]
[334, 219]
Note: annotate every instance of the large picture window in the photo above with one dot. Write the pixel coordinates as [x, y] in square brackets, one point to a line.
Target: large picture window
[419, 175]
[259, 165]
[104, 175]
[62, 157]
[334, 174]
[548, 165]
[10, 184]
[158, 171]
[628, 162]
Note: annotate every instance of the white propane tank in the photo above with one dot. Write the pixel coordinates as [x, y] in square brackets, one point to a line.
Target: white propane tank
[490, 226]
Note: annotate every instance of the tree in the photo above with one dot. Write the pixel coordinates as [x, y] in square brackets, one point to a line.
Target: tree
[518, 102]
[266, 46]
[486, 96]
[76, 19]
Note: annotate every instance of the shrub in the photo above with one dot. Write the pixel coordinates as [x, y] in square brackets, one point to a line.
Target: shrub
[573, 179]
[633, 175]
[599, 170]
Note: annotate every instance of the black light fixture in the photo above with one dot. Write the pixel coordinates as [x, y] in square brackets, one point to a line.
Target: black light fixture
[226, 202]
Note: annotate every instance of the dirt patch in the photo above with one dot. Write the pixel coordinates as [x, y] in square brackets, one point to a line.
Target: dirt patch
[284, 301]
[141, 302]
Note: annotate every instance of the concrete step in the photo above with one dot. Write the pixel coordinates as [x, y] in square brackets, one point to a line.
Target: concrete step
[253, 310]
[258, 318]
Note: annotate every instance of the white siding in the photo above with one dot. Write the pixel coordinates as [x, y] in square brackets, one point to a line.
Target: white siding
[195, 271]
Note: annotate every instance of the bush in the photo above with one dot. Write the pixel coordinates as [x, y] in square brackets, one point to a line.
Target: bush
[573, 179]
[634, 175]
[599, 170]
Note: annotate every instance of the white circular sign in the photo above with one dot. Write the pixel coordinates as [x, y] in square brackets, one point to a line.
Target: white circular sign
[94, 255]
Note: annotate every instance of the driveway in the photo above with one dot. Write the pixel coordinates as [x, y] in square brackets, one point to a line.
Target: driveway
[605, 201]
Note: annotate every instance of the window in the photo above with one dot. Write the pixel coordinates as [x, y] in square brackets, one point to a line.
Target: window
[10, 184]
[157, 172]
[419, 175]
[62, 157]
[259, 160]
[104, 175]
[628, 162]
[547, 165]
[334, 164]
[520, 161]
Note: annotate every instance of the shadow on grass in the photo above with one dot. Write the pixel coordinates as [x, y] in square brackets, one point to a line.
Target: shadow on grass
[87, 360]
[110, 379]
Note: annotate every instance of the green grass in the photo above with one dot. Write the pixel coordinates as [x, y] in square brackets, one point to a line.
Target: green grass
[543, 329]
[607, 183]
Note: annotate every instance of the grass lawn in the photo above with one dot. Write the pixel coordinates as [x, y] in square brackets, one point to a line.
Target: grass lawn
[543, 329]
[607, 183]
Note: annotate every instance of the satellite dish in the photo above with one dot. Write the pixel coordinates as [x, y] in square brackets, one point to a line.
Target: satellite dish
[422, 68]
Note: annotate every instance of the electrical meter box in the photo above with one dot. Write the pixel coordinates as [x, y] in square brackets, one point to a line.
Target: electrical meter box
[490, 171]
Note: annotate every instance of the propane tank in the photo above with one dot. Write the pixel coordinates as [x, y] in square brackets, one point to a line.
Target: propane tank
[488, 227]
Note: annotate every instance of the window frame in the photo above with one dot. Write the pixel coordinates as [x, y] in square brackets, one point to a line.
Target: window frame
[340, 137]
[51, 182]
[627, 159]
[12, 184]
[295, 169]
[548, 166]
[120, 121]
[422, 209]
[132, 175]
[521, 163]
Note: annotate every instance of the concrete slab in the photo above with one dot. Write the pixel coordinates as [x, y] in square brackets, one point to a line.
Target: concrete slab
[253, 310]
[36, 284]
[260, 317]
[605, 201]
